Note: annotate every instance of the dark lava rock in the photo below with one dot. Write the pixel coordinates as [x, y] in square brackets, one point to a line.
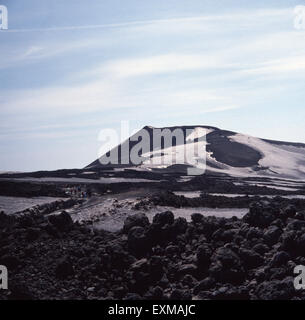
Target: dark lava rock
[156, 268]
[208, 258]
[271, 235]
[133, 296]
[62, 221]
[189, 281]
[288, 241]
[279, 259]
[276, 289]
[10, 261]
[196, 217]
[64, 269]
[204, 256]
[204, 284]
[261, 248]
[138, 244]
[208, 226]
[159, 234]
[294, 224]
[250, 258]
[179, 226]
[224, 235]
[157, 293]
[226, 266]
[300, 245]
[260, 215]
[172, 250]
[229, 292]
[190, 269]
[33, 234]
[5, 220]
[20, 292]
[289, 211]
[300, 216]
[136, 220]
[140, 265]
[179, 294]
[163, 218]
[25, 221]
[226, 257]
[51, 230]
[116, 257]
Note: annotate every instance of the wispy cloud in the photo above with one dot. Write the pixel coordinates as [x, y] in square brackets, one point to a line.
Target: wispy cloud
[290, 65]
[149, 70]
[37, 51]
[243, 15]
[159, 64]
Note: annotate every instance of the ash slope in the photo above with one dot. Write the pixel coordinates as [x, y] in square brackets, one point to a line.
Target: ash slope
[228, 152]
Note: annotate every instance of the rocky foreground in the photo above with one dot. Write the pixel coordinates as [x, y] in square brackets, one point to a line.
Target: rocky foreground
[207, 258]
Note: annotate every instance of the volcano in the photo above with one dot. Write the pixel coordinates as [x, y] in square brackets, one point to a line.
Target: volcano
[226, 152]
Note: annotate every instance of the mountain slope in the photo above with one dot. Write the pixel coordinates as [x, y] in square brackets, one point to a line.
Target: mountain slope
[226, 152]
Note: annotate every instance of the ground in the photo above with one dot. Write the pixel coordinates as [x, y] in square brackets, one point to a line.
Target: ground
[198, 238]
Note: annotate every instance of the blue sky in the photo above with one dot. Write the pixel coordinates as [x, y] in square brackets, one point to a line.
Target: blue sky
[71, 68]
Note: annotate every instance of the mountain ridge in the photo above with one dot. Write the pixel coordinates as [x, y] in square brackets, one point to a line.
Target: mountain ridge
[227, 152]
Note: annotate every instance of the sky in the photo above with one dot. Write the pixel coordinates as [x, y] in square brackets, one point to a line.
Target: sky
[69, 69]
